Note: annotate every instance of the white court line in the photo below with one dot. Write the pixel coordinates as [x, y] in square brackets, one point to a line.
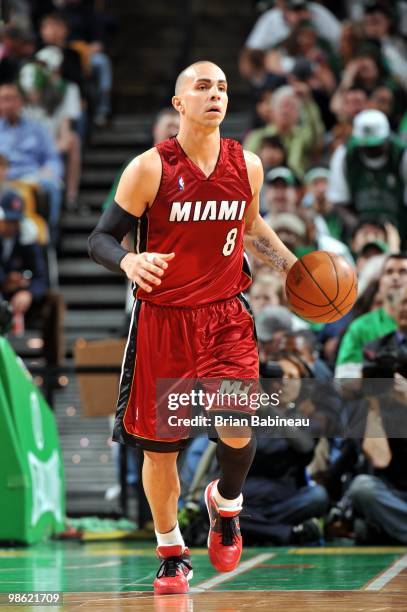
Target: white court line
[241, 569]
[394, 569]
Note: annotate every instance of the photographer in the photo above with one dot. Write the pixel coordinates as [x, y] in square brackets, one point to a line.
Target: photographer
[381, 499]
[281, 506]
[375, 323]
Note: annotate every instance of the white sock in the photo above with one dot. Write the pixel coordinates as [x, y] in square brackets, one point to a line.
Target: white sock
[171, 538]
[226, 503]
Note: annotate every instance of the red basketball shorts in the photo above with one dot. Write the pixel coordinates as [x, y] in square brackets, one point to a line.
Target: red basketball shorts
[215, 341]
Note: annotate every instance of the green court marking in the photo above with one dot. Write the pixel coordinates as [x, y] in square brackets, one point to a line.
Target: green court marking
[129, 566]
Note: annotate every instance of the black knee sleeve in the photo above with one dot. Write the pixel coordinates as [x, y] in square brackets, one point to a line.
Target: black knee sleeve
[234, 465]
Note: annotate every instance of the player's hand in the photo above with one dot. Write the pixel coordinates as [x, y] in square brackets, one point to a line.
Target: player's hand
[146, 269]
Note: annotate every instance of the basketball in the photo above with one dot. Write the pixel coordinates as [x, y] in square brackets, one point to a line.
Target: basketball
[321, 287]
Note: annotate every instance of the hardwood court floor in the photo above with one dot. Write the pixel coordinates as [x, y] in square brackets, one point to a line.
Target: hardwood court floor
[115, 576]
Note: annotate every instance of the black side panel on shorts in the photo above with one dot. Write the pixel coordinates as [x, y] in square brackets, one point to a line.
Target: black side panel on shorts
[126, 379]
[129, 363]
[246, 304]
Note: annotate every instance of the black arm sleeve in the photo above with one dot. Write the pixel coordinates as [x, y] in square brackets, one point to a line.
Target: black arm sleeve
[104, 242]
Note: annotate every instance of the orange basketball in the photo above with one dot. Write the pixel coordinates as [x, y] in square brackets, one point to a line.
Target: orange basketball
[321, 287]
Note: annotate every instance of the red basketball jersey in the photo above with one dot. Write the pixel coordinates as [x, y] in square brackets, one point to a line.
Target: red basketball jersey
[201, 220]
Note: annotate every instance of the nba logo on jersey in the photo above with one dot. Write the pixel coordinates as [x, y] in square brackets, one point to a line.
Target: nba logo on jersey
[181, 184]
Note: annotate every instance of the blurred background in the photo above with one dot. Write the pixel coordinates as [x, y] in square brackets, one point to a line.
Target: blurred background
[318, 91]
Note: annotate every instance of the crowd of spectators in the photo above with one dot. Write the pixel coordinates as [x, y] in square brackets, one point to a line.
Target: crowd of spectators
[329, 124]
[55, 87]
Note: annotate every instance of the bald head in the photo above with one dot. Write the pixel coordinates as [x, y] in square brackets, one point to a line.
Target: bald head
[192, 72]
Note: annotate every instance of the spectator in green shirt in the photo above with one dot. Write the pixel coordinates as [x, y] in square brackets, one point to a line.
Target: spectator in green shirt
[374, 324]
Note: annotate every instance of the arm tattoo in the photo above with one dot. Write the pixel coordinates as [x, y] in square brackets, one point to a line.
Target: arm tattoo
[263, 246]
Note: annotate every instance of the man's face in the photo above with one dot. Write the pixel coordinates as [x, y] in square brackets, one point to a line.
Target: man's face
[287, 111]
[394, 276]
[368, 71]
[354, 102]
[318, 188]
[8, 229]
[166, 127]
[203, 98]
[263, 294]
[10, 102]
[271, 156]
[376, 25]
[280, 197]
[53, 32]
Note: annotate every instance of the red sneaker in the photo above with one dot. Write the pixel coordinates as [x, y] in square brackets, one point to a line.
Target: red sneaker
[224, 539]
[174, 572]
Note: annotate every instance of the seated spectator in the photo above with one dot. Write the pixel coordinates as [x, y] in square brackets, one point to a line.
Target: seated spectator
[272, 153]
[25, 192]
[266, 290]
[373, 237]
[346, 104]
[301, 235]
[17, 46]
[23, 269]
[367, 70]
[280, 194]
[271, 322]
[327, 220]
[381, 499]
[56, 104]
[330, 335]
[368, 175]
[374, 324]
[32, 155]
[276, 24]
[24, 281]
[297, 123]
[378, 21]
[318, 78]
[87, 31]
[303, 343]
[54, 31]
[382, 99]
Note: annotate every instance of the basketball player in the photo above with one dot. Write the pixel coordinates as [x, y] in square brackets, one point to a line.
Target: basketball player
[192, 199]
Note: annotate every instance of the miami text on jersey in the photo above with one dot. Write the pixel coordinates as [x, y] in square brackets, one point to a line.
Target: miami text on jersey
[211, 210]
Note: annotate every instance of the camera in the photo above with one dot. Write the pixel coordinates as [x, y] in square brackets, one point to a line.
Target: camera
[385, 362]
